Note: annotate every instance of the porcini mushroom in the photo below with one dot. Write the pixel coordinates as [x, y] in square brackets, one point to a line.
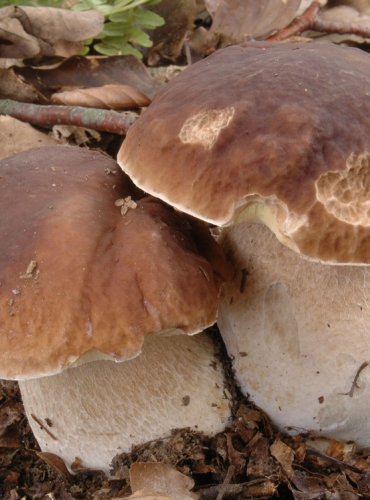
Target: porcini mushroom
[88, 270]
[278, 134]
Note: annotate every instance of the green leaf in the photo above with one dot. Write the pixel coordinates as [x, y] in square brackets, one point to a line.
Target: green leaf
[148, 19]
[138, 36]
[120, 17]
[124, 22]
[125, 50]
[134, 3]
[124, 17]
[115, 29]
[121, 3]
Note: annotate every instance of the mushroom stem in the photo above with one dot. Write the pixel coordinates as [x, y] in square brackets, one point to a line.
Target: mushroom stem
[103, 408]
[299, 334]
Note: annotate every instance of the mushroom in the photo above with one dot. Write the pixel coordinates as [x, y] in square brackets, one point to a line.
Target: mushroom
[278, 134]
[88, 270]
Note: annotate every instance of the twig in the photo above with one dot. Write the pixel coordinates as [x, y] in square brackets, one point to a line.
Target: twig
[211, 491]
[47, 116]
[334, 461]
[298, 25]
[43, 427]
[355, 380]
[223, 488]
[187, 52]
[310, 20]
[341, 28]
[233, 489]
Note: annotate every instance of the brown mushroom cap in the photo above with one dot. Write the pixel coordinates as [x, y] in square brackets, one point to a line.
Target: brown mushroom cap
[278, 133]
[77, 277]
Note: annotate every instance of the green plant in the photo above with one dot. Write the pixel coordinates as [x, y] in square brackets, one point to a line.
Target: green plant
[125, 26]
[126, 21]
[32, 3]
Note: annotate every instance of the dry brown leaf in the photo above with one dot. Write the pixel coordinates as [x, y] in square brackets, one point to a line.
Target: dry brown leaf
[53, 24]
[146, 495]
[284, 455]
[8, 63]
[202, 41]
[107, 97]
[82, 72]
[235, 20]
[15, 41]
[266, 489]
[17, 136]
[55, 462]
[260, 463]
[12, 86]
[308, 486]
[10, 439]
[339, 485]
[11, 412]
[168, 40]
[161, 479]
[34, 31]
[70, 134]
[340, 450]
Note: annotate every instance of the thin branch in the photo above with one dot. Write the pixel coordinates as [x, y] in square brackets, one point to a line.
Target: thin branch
[298, 25]
[355, 380]
[332, 460]
[256, 488]
[47, 116]
[43, 427]
[341, 28]
[310, 21]
[223, 488]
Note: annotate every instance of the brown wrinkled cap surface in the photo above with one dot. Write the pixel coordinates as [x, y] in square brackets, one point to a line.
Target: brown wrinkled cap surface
[284, 127]
[77, 276]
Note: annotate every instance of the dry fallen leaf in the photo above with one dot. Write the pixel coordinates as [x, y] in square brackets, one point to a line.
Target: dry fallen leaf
[70, 134]
[12, 86]
[34, 31]
[284, 456]
[11, 413]
[55, 462]
[111, 96]
[260, 463]
[158, 479]
[235, 20]
[17, 136]
[83, 72]
[168, 40]
[145, 495]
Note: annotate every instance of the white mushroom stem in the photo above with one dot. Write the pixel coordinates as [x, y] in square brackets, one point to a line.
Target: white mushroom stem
[300, 335]
[102, 408]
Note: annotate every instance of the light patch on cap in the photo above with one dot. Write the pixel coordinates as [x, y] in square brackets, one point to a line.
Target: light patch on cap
[205, 127]
[346, 194]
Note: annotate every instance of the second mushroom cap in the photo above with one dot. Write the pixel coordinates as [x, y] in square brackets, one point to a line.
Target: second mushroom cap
[275, 132]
